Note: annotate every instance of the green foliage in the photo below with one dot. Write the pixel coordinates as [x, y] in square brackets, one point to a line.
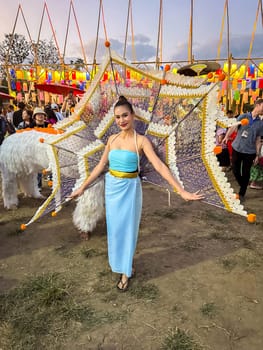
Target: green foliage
[41, 310]
[149, 291]
[14, 49]
[209, 309]
[178, 339]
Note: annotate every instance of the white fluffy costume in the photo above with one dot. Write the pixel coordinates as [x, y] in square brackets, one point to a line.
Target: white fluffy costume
[22, 157]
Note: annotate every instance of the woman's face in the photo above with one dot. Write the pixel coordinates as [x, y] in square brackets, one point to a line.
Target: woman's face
[123, 117]
[25, 116]
[40, 119]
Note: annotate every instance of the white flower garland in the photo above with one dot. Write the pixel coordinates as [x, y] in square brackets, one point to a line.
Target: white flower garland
[81, 155]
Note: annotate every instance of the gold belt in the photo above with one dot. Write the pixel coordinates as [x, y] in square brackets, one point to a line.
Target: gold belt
[122, 174]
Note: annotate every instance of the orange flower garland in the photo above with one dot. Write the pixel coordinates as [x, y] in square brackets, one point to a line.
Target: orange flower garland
[48, 130]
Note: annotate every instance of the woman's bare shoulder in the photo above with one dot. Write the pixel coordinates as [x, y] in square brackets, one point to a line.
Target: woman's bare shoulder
[143, 140]
[112, 137]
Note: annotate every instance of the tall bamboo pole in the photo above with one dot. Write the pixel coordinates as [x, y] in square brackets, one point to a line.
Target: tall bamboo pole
[157, 63]
[126, 32]
[229, 59]
[190, 42]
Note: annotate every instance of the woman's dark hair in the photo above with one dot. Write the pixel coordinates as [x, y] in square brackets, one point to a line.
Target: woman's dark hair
[122, 101]
[29, 113]
[51, 115]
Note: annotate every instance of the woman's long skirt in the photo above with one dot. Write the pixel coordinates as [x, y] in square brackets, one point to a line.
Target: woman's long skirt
[123, 199]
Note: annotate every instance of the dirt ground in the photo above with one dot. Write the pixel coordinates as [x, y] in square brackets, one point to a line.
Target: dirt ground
[198, 283]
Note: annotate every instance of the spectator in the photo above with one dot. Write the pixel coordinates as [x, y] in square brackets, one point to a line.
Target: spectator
[223, 157]
[27, 119]
[246, 146]
[39, 121]
[51, 116]
[39, 118]
[3, 126]
[10, 113]
[17, 116]
[55, 109]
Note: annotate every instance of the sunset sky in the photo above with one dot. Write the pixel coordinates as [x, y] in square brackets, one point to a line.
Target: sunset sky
[207, 22]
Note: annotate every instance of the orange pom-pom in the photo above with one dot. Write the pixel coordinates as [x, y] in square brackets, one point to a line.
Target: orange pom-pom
[50, 183]
[107, 43]
[251, 218]
[49, 126]
[217, 150]
[22, 227]
[41, 140]
[222, 77]
[244, 121]
[210, 75]
[167, 67]
[44, 172]
[53, 214]
[163, 82]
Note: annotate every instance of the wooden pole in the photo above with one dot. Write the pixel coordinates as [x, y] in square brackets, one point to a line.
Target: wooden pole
[127, 27]
[229, 59]
[157, 63]
[190, 42]
[97, 38]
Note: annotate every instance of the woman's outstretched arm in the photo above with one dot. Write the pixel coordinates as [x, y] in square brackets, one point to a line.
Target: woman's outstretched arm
[165, 172]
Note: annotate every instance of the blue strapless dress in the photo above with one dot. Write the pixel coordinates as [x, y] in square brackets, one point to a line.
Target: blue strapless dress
[123, 199]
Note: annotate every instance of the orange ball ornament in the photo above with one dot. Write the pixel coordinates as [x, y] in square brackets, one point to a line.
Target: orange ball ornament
[210, 75]
[107, 43]
[217, 150]
[244, 121]
[167, 67]
[53, 214]
[251, 218]
[50, 183]
[22, 227]
[222, 77]
[41, 140]
[163, 82]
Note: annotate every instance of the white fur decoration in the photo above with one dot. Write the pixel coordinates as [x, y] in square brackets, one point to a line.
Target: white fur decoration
[22, 156]
[90, 208]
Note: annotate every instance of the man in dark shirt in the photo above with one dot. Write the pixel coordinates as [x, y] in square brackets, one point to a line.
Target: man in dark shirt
[17, 116]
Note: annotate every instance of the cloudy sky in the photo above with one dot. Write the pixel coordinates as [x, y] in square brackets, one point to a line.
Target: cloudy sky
[207, 21]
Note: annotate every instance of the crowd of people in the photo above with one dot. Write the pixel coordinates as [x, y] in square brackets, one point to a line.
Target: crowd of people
[24, 116]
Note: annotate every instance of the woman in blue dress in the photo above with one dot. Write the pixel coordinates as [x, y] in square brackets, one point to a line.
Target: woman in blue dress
[123, 192]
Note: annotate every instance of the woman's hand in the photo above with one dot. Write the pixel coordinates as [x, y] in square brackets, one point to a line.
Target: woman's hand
[76, 193]
[188, 196]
